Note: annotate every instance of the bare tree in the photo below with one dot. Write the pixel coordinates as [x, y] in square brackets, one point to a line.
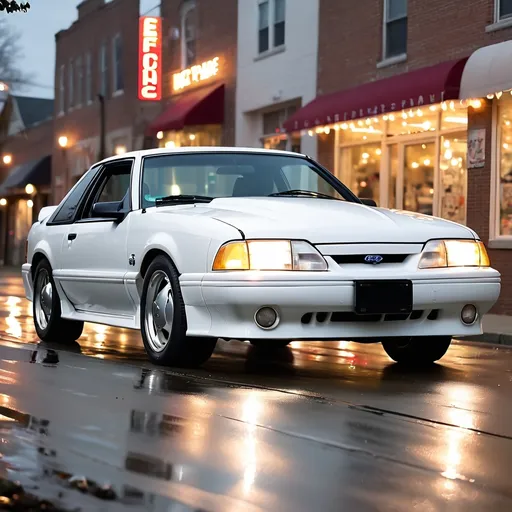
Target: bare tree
[10, 54]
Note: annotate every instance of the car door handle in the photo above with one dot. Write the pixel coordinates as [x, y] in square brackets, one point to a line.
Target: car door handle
[71, 236]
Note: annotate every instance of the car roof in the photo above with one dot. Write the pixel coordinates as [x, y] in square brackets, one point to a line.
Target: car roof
[198, 149]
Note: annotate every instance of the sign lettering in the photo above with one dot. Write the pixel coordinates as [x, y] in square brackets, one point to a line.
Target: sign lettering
[150, 58]
[195, 74]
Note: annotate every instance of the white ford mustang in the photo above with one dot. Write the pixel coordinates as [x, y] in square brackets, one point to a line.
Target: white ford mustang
[196, 244]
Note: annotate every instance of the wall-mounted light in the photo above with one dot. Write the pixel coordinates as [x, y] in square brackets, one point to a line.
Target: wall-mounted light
[63, 141]
[30, 203]
[30, 189]
[3, 201]
[120, 150]
[7, 159]
[3, 87]
[160, 135]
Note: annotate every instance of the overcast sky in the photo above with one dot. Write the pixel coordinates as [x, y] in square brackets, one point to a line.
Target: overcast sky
[37, 28]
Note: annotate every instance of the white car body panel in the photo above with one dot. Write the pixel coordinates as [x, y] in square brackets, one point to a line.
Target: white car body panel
[96, 282]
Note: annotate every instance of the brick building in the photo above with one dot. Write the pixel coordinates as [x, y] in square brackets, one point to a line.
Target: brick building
[97, 55]
[25, 167]
[399, 103]
[199, 79]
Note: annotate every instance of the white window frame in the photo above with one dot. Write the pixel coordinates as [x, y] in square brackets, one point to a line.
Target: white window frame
[62, 89]
[79, 81]
[116, 90]
[103, 69]
[496, 240]
[71, 83]
[394, 58]
[497, 18]
[187, 9]
[272, 48]
[88, 79]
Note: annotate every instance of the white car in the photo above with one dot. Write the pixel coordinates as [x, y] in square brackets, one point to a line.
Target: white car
[195, 244]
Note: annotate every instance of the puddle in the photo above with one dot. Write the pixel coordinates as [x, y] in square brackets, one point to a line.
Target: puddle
[33, 478]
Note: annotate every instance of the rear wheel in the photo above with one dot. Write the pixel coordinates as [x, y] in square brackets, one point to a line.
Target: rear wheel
[417, 350]
[163, 320]
[48, 321]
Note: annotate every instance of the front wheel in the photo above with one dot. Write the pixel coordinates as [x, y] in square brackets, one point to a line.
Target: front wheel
[417, 350]
[164, 323]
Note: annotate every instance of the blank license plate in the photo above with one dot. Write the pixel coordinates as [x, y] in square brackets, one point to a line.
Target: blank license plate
[383, 297]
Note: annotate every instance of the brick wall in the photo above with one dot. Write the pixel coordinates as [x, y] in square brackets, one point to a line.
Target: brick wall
[216, 37]
[99, 23]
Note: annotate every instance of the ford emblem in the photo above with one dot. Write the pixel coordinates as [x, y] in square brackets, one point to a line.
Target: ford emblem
[373, 258]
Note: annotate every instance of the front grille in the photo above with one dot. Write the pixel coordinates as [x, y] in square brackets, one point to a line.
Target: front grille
[349, 316]
[347, 259]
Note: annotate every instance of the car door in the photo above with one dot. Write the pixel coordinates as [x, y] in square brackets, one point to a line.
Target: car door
[93, 256]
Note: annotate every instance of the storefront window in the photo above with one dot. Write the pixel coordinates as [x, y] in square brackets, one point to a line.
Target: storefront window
[361, 170]
[454, 116]
[208, 135]
[419, 177]
[453, 172]
[362, 130]
[505, 170]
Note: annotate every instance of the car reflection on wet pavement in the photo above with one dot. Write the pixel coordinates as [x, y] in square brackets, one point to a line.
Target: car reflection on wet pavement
[332, 426]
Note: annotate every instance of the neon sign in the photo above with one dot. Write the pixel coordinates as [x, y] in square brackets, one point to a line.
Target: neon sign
[195, 74]
[150, 58]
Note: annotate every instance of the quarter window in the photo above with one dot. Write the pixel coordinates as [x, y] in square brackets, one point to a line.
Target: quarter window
[395, 28]
[67, 211]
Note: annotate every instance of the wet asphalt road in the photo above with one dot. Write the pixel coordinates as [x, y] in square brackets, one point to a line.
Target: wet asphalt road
[332, 426]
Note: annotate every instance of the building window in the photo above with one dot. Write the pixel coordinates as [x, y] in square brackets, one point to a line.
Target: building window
[279, 22]
[117, 59]
[62, 97]
[71, 80]
[103, 70]
[395, 28]
[88, 78]
[504, 9]
[79, 81]
[271, 13]
[188, 34]
[505, 168]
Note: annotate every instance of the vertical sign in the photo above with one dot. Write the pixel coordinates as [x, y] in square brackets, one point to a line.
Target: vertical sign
[476, 148]
[150, 58]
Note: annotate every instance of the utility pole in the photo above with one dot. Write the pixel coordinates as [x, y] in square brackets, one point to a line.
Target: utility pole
[102, 150]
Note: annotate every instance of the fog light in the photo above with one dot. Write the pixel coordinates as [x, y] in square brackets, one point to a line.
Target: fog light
[468, 314]
[266, 318]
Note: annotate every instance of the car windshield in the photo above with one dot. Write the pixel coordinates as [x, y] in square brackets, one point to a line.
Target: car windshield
[201, 176]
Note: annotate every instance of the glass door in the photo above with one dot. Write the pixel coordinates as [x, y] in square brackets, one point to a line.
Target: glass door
[416, 180]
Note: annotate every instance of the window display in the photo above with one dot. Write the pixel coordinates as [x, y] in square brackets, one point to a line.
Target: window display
[505, 168]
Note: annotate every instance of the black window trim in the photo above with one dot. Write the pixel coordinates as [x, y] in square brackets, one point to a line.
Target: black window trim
[329, 177]
[93, 189]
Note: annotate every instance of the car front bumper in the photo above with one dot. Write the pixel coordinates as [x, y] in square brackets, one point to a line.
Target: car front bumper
[223, 305]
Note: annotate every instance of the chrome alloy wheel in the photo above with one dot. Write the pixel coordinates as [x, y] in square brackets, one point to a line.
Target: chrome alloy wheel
[43, 298]
[159, 311]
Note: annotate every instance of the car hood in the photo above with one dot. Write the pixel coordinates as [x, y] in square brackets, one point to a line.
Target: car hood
[327, 221]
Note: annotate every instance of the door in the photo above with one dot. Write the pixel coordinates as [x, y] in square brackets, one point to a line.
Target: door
[93, 258]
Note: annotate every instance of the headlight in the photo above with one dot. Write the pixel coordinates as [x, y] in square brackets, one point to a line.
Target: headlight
[454, 253]
[268, 255]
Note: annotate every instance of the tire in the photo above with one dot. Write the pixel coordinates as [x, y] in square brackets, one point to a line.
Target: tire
[419, 350]
[270, 344]
[164, 322]
[46, 311]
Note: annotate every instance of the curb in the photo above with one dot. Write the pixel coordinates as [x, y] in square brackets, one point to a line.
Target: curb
[493, 338]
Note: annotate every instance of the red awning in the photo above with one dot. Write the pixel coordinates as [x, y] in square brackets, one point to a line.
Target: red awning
[200, 107]
[424, 86]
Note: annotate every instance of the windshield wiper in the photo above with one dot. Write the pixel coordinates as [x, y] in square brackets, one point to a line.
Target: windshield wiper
[182, 199]
[305, 193]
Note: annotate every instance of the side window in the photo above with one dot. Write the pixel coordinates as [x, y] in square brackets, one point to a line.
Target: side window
[66, 213]
[113, 186]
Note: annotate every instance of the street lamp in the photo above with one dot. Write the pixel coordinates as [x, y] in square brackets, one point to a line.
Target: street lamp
[63, 141]
[120, 150]
[3, 201]
[30, 189]
[7, 159]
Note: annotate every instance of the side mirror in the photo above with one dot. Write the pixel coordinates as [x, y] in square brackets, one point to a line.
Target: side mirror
[108, 211]
[368, 202]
